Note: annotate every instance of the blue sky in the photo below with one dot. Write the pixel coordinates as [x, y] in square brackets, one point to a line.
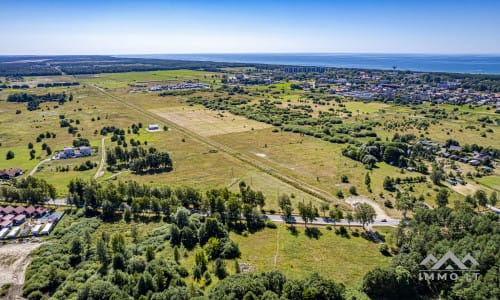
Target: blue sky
[144, 27]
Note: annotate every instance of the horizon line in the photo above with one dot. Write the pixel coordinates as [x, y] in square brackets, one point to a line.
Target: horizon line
[257, 53]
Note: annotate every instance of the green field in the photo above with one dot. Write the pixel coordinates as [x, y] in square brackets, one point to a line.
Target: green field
[342, 259]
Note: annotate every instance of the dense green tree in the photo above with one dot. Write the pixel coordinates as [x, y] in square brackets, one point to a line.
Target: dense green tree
[442, 197]
[308, 212]
[364, 213]
[220, 269]
[481, 197]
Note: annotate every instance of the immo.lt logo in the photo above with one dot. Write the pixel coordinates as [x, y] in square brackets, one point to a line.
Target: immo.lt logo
[449, 267]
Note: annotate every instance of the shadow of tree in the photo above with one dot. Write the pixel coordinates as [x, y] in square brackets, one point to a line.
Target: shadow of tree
[313, 232]
[293, 230]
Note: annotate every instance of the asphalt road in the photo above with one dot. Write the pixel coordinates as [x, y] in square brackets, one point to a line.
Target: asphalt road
[327, 221]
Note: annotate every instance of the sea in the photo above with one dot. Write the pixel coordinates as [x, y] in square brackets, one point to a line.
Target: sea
[476, 64]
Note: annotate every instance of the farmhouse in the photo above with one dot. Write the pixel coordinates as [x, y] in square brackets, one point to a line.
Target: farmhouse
[10, 173]
[70, 152]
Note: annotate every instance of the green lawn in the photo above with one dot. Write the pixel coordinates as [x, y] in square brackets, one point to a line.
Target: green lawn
[492, 182]
[342, 259]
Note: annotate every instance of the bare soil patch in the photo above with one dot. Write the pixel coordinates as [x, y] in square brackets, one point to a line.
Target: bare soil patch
[14, 259]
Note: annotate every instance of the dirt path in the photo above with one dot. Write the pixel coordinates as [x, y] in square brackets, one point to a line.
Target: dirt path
[14, 259]
[37, 166]
[100, 172]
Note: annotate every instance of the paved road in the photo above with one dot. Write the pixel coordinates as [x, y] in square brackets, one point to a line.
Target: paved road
[327, 221]
[37, 166]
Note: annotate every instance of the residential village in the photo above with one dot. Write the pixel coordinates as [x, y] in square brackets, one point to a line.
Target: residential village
[28, 221]
[372, 85]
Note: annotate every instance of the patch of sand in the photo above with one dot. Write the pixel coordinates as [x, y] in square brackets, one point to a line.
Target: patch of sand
[381, 214]
[14, 259]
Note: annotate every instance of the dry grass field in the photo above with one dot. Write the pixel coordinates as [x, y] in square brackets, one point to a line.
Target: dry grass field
[209, 123]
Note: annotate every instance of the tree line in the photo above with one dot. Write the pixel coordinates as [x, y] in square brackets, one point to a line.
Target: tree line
[33, 101]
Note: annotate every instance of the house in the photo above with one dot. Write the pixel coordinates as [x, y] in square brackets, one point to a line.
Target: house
[19, 219]
[36, 229]
[69, 151]
[40, 211]
[487, 169]
[481, 156]
[85, 151]
[464, 159]
[450, 181]
[5, 224]
[7, 210]
[454, 148]
[19, 210]
[29, 211]
[13, 233]
[47, 229]
[8, 217]
[10, 173]
[474, 162]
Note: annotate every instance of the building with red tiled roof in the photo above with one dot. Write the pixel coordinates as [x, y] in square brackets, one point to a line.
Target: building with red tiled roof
[10, 173]
[29, 211]
[5, 224]
[8, 217]
[19, 210]
[7, 210]
[19, 219]
[40, 210]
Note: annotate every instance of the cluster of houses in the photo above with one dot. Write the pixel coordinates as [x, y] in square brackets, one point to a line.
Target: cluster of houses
[478, 158]
[41, 221]
[182, 86]
[12, 216]
[71, 152]
[373, 87]
[10, 173]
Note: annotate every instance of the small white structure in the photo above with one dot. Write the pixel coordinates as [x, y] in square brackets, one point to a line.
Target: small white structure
[13, 233]
[153, 128]
[47, 229]
[3, 232]
[36, 229]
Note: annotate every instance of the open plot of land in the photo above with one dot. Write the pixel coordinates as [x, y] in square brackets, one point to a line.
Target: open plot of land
[314, 161]
[116, 80]
[342, 259]
[208, 123]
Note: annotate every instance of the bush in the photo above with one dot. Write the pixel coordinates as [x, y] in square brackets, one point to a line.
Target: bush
[353, 190]
[384, 249]
[388, 204]
[36, 295]
[9, 155]
[271, 224]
